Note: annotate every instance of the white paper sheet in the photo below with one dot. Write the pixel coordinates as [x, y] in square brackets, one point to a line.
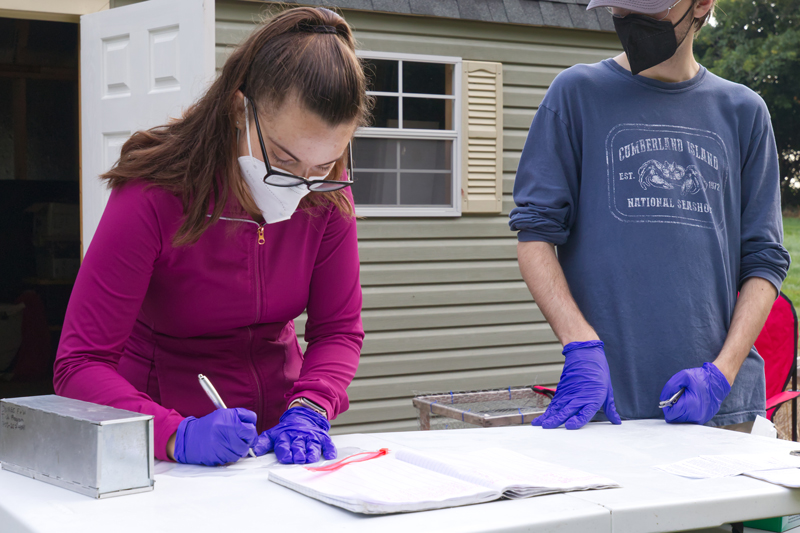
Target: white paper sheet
[787, 477]
[717, 466]
[764, 428]
[244, 465]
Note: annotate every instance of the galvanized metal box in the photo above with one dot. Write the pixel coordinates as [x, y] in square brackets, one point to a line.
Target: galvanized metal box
[92, 449]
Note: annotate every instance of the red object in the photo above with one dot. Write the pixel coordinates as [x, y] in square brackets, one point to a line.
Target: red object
[544, 391]
[780, 398]
[777, 345]
[333, 467]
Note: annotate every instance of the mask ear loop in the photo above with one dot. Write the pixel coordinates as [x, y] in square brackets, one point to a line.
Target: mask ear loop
[685, 35]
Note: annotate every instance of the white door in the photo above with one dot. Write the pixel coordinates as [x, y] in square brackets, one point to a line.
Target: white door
[140, 65]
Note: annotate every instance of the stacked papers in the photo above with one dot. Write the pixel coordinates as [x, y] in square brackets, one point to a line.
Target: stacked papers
[410, 481]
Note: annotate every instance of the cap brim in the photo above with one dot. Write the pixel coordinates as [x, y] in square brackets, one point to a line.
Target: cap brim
[637, 6]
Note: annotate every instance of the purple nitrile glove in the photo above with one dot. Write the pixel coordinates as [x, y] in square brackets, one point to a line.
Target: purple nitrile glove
[584, 388]
[300, 437]
[218, 438]
[706, 387]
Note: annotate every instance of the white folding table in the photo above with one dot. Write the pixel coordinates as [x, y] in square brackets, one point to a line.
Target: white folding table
[649, 500]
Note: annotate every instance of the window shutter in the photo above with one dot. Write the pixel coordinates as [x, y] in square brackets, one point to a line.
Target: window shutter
[482, 137]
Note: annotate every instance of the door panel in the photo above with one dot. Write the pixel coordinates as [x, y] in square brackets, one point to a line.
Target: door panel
[140, 66]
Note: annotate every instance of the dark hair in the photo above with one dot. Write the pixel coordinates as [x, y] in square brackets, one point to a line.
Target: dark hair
[307, 53]
[701, 21]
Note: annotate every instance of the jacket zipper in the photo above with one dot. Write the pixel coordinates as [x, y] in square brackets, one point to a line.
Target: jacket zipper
[260, 241]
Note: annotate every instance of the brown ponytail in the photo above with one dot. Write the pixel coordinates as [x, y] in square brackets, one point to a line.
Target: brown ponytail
[195, 157]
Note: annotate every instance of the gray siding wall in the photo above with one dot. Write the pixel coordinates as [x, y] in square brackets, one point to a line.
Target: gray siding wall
[445, 307]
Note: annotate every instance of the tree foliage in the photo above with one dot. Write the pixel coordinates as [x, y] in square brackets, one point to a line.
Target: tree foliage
[757, 43]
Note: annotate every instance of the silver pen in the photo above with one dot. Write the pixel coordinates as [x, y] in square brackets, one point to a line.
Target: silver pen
[671, 401]
[215, 398]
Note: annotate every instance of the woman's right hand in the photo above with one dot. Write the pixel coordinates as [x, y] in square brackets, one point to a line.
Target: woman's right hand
[221, 437]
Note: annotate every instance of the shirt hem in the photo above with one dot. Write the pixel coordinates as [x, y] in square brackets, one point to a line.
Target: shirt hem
[736, 418]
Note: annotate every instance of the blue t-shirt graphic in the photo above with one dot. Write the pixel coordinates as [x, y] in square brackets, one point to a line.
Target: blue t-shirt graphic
[663, 198]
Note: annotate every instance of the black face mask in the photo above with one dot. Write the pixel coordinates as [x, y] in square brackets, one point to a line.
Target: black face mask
[646, 41]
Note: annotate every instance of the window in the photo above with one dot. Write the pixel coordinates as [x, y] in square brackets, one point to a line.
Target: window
[406, 162]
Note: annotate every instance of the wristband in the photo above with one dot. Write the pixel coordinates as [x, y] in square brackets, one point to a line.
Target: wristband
[305, 402]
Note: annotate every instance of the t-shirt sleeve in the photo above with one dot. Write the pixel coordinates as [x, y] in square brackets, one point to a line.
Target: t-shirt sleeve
[763, 253]
[103, 307]
[546, 185]
[333, 331]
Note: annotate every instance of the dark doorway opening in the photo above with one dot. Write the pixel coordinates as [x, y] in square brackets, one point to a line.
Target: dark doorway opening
[39, 196]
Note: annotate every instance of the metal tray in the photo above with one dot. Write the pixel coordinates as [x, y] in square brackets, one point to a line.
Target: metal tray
[487, 408]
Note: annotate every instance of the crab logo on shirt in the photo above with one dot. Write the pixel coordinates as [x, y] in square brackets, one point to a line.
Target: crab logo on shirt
[667, 174]
[670, 176]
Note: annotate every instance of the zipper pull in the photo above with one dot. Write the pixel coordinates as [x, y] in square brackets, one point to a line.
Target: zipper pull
[261, 239]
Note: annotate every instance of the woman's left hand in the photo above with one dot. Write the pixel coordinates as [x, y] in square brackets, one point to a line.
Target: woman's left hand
[300, 437]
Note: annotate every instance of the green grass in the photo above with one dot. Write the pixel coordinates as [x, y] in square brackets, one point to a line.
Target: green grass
[791, 240]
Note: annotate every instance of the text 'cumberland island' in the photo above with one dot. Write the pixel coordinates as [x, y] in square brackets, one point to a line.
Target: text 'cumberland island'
[656, 144]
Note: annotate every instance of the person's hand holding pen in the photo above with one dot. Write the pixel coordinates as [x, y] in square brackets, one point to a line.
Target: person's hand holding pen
[221, 437]
[216, 399]
[218, 438]
[704, 389]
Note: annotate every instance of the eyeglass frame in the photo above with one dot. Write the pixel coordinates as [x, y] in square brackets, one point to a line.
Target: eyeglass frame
[610, 10]
[302, 181]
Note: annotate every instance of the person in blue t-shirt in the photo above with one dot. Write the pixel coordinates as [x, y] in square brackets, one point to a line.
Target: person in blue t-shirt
[658, 182]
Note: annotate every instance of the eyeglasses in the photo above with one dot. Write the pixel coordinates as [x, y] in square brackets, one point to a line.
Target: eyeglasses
[279, 178]
[622, 13]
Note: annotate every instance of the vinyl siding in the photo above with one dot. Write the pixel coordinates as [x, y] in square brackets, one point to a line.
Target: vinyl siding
[445, 307]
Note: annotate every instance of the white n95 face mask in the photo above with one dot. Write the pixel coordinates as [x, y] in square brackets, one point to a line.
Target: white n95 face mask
[275, 203]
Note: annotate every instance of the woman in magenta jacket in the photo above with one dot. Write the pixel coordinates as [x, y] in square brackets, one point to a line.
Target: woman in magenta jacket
[222, 228]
